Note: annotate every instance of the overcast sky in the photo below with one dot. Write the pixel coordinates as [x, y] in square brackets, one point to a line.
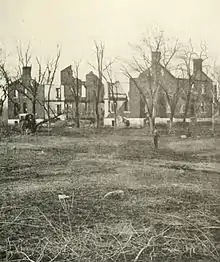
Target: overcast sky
[75, 24]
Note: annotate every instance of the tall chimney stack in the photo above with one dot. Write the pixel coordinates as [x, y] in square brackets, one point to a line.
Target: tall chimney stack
[155, 57]
[197, 65]
[26, 72]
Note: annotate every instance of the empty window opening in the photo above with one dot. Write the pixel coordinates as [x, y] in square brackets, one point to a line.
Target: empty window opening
[59, 109]
[24, 107]
[192, 109]
[16, 109]
[83, 91]
[203, 107]
[58, 93]
[16, 93]
[126, 105]
[203, 89]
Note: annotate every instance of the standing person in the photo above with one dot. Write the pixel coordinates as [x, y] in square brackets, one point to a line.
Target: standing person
[156, 138]
[189, 133]
[23, 125]
[32, 123]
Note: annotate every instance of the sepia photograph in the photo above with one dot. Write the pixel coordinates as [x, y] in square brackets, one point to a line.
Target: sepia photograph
[109, 131]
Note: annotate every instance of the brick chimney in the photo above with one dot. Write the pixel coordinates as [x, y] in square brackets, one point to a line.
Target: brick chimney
[197, 65]
[66, 75]
[26, 72]
[155, 57]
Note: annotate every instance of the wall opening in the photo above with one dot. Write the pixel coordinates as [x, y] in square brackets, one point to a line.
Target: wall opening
[59, 109]
[16, 109]
[24, 107]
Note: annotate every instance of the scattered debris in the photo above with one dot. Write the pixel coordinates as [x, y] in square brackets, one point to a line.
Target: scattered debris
[116, 194]
[181, 171]
[62, 197]
[41, 152]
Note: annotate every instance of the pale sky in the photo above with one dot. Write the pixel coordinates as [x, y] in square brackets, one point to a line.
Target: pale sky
[75, 24]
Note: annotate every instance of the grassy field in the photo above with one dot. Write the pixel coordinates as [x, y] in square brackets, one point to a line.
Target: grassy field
[170, 210]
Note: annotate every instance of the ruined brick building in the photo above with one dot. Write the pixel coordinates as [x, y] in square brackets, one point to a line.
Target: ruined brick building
[200, 102]
[23, 91]
[54, 97]
[116, 101]
[61, 99]
[25, 95]
[87, 94]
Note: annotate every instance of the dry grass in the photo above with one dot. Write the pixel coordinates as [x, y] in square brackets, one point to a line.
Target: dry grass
[167, 214]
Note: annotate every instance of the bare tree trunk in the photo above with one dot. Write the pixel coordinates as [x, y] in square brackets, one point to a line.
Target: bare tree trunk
[48, 116]
[1, 109]
[187, 106]
[171, 124]
[213, 114]
[99, 58]
[97, 104]
[77, 98]
[97, 114]
[77, 114]
[151, 123]
[34, 107]
[34, 126]
[48, 109]
[115, 115]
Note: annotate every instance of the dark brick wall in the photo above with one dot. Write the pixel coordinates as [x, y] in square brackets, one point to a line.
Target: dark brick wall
[69, 83]
[20, 85]
[134, 101]
[202, 81]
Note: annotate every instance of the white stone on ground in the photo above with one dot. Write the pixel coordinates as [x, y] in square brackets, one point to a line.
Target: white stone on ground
[62, 197]
[116, 194]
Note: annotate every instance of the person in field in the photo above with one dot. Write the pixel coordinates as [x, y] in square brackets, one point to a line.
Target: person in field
[156, 138]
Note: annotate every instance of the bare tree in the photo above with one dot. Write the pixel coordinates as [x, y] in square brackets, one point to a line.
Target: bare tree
[149, 70]
[3, 91]
[5, 81]
[48, 76]
[30, 88]
[99, 67]
[3, 84]
[105, 72]
[75, 88]
[172, 98]
[24, 55]
[188, 54]
[112, 90]
[214, 71]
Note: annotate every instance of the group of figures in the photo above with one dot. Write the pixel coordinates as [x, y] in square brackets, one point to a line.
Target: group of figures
[28, 124]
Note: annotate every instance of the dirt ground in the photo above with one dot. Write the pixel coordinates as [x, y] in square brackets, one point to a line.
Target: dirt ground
[170, 210]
